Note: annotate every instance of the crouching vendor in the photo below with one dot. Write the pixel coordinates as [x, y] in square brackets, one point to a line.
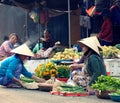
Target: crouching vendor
[12, 67]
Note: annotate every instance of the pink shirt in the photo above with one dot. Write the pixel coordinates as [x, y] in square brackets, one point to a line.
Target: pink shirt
[5, 48]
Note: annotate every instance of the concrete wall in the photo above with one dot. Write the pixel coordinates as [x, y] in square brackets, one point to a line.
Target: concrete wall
[12, 19]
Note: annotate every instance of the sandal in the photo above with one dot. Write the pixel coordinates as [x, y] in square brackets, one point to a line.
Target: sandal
[13, 86]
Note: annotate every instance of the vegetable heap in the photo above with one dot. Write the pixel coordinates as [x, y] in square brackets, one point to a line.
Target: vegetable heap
[63, 71]
[117, 93]
[26, 79]
[106, 83]
[49, 70]
[67, 88]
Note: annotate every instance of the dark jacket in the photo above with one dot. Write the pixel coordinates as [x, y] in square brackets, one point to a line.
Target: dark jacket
[95, 67]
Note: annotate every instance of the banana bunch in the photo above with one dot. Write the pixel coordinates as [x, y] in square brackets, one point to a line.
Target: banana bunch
[68, 54]
[110, 52]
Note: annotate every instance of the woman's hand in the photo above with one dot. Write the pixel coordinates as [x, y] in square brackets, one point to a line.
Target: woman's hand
[37, 79]
[76, 66]
[21, 83]
[18, 81]
[73, 66]
[42, 39]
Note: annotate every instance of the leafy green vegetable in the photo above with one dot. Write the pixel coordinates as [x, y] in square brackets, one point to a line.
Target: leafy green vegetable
[63, 71]
[26, 79]
[74, 89]
[106, 83]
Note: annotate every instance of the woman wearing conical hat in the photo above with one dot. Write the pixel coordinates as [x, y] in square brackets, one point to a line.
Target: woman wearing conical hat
[93, 64]
[12, 67]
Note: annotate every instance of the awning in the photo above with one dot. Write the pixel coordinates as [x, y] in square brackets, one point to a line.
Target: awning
[52, 4]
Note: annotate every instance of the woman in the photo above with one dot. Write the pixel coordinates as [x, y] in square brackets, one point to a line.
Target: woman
[80, 64]
[8, 45]
[12, 67]
[44, 45]
[106, 34]
[93, 64]
[47, 41]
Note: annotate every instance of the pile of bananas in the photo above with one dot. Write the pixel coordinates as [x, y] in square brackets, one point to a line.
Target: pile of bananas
[67, 54]
[110, 52]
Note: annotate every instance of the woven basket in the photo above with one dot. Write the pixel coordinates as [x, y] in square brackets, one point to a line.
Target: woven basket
[103, 94]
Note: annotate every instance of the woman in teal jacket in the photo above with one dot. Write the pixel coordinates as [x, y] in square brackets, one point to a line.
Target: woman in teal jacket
[12, 67]
[94, 64]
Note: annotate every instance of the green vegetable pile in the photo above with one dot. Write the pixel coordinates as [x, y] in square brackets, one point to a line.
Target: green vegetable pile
[63, 71]
[67, 88]
[26, 79]
[108, 83]
[117, 93]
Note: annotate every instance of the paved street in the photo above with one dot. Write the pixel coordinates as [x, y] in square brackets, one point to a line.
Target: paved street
[8, 95]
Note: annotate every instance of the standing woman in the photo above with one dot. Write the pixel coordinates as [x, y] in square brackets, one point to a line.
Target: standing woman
[7, 46]
[105, 36]
[94, 64]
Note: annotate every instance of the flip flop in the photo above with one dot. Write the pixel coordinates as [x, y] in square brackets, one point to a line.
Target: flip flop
[13, 86]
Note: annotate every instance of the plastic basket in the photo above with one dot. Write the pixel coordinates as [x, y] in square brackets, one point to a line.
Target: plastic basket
[115, 97]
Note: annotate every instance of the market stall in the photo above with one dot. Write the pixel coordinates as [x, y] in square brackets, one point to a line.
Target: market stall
[69, 56]
[58, 66]
[112, 60]
[33, 63]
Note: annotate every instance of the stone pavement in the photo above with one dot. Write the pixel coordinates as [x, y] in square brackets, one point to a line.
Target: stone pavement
[12, 95]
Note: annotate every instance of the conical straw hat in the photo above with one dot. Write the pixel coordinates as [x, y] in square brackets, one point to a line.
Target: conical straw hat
[95, 40]
[23, 50]
[91, 43]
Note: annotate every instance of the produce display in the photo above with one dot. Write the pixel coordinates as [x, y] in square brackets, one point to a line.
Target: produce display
[46, 70]
[115, 96]
[67, 88]
[32, 85]
[28, 83]
[110, 52]
[117, 93]
[49, 70]
[27, 80]
[67, 54]
[108, 83]
[63, 71]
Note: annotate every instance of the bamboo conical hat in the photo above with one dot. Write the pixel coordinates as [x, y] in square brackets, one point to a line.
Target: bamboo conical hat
[91, 43]
[23, 50]
[96, 41]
